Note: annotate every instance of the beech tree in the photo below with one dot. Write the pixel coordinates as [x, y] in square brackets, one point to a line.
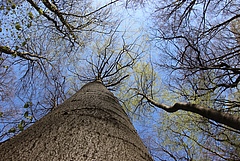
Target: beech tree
[49, 49]
[91, 125]
[198, 45]
[39, 42]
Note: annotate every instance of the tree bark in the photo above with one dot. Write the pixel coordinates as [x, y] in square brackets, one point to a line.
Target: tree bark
[91, 125]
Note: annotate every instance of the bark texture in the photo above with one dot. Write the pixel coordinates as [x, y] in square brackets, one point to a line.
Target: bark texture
[89, 126]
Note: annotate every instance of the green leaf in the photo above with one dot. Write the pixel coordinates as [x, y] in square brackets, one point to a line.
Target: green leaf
[24, 43]
[12, 130]
[40, 11]
[30, 15]
[29, 118]
[21, 125]
[18, 26]
[26, 114]
[13, 6]
[29, 25]
[27, 104]
[1, 114]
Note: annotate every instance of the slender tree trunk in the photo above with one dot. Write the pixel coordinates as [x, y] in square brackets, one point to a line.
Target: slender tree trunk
[91, 125]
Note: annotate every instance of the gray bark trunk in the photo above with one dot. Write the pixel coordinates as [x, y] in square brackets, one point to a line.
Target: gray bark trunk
[91, 125]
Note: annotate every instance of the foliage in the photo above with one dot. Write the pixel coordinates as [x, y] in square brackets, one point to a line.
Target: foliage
[199, 47]
[49, 49]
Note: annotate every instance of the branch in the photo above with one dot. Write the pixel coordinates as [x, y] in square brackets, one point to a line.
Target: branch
[115, 83]
[215, 115]
[222, 24]
[55, 10]
[102, 7]
[24, 55]
[33, 4]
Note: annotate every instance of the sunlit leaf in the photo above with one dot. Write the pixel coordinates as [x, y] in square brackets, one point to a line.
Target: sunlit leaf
[29, 118]
[30, 15]
[29, 25]
[8, 8]
[27, 104]
[12, 130]
[18, 26]
[26, 114]
[40, 11]
[13, 6]
[24, 43]
[21, 125]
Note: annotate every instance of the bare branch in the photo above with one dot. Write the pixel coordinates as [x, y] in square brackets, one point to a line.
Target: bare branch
[119, 81]
[218, 116]
[24, 55]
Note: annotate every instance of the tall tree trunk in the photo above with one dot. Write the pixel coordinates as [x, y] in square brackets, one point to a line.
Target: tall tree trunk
[91, 125]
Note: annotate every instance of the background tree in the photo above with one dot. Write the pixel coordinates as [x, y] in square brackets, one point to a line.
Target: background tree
[198, 45]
